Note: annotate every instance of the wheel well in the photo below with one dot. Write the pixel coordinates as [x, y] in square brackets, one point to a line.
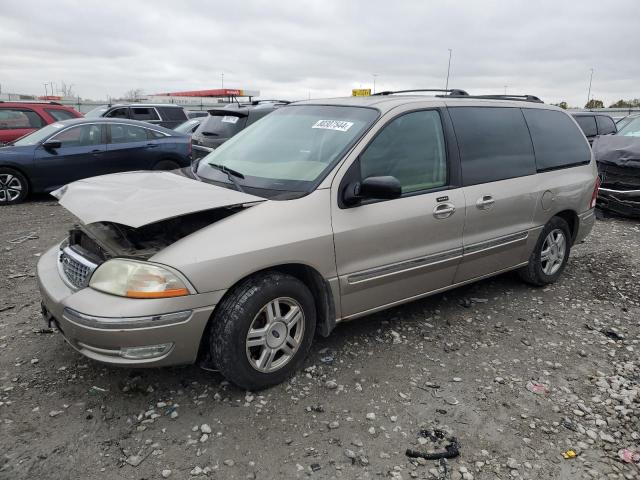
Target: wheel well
[572, 220]
[23, 173]
[325, 307]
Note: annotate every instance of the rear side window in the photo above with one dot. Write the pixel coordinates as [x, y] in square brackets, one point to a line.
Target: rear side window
[410, 148]
[556, 140]
[17, 118]
[605, 125]
[222, 126]
[144, 113]
[152, 134]
[494, 144]
[588, 125]
[127, 133]
[173, 114]
[59, 114]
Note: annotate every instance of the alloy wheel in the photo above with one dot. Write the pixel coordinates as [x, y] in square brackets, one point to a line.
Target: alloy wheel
[275, 334]
[553, 252]
[10, 187]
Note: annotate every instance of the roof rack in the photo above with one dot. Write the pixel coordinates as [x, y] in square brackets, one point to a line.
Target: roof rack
[519, 98]
[258, 102]
[46, 102]
[452, 92]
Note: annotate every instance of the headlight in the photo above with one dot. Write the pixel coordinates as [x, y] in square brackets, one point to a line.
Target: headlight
[133, 279]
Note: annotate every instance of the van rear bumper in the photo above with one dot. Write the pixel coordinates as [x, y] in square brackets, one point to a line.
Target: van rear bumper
[586, 221]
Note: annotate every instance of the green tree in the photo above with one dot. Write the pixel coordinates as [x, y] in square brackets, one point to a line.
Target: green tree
[626, 103]
[593, 103]
[564, 105]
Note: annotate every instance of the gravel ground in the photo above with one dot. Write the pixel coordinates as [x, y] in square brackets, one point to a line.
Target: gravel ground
[517, 375]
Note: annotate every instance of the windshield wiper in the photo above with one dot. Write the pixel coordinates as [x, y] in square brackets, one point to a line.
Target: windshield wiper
[231, 174]
[210, 134]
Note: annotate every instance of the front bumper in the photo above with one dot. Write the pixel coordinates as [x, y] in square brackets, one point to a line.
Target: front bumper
[103, 326]
[622, 202]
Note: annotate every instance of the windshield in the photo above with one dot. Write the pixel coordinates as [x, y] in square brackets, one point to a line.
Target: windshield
[291, 149]
[187, 126]
[96, 112]
[39, 135]
[631, 129]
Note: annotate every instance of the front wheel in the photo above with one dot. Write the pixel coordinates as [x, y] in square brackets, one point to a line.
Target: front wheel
[262, 330]
[549, 257]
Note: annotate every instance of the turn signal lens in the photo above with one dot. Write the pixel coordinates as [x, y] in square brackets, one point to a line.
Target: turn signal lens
[134, 279]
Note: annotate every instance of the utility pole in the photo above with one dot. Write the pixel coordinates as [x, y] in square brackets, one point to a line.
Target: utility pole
[446, 87]
[589, 93]
[374, 82]
[46, 92]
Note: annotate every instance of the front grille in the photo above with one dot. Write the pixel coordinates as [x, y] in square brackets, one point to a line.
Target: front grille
[75, 269]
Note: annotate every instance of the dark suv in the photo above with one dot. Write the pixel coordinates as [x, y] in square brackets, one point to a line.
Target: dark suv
[165, 115]
[223, 123]
[594, 124]
[19, 118]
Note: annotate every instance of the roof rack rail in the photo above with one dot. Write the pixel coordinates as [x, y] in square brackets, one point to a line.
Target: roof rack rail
[46, 102]
[258, 102]
[519, 98]
[452, 92]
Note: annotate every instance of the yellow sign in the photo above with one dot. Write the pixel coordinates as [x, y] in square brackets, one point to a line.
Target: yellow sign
[360, 92]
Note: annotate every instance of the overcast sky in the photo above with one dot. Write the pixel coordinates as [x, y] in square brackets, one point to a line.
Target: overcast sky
[294, 49]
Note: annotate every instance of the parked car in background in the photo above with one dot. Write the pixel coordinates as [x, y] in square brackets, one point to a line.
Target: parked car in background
[196, 113]
[19, 118]
[223, 123]
[624, 121]
[321, 212]
[631, 128]
[70, 150]
[165, 115]
[189, 126]
[594, 124]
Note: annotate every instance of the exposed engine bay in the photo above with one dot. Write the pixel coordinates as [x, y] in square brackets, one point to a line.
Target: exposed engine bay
[101, 241]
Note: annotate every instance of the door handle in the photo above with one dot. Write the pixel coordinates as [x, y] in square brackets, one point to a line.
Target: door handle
[444, 210]
[485, 202]
[152, 145]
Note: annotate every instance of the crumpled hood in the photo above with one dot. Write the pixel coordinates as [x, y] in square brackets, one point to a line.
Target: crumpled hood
[140, 198]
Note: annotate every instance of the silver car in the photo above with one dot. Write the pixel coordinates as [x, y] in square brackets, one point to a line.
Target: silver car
[322, 212]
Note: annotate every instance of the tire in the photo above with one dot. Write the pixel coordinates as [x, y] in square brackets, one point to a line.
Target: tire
[539, 271]
[166, 165]
[249, 361]
[14, 187]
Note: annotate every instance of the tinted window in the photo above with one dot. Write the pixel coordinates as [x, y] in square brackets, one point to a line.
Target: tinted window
[80, 136]
[118, 113]
[587, 124]
[127, 133]
[224, 126]
[494, 143]
[556, 139]
[60, 115]
[173, 114]
[410, 148]
[152, 134]
[14, 118]
[144, 113]
[605, 125]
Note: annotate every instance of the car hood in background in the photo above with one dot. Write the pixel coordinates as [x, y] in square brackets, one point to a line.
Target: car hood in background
[140, 198]
[617, 150]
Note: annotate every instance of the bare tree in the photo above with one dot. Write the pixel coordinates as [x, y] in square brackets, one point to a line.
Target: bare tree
[66, 89]
[134, 95]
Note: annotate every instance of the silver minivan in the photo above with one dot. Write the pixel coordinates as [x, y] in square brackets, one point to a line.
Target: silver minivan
[321, 212]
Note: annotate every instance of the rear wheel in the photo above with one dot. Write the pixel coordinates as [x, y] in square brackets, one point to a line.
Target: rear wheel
[166, 165]
[263, 329]
[549, 257]
[13, 186]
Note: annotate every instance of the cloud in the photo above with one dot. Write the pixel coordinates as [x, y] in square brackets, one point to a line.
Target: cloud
[293, 49]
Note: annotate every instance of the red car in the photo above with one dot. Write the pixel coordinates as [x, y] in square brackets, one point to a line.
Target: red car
[19, 118]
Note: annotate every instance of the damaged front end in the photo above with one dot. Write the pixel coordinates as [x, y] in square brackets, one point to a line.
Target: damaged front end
[618, 160]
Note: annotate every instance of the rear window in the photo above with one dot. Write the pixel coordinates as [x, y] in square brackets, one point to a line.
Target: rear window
[59, 114]
[19, 118]
[605, 125]
[174, 114]
[556, 139]
[224, 126]
[494, 143]
[588, 125]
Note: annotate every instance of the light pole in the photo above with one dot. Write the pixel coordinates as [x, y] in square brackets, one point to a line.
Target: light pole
[46, 92]
[446, 87]
[589, 92]
[374, 82]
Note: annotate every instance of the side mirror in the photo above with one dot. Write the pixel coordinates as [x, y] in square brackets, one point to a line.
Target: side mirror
[52, 144]
[380, 188]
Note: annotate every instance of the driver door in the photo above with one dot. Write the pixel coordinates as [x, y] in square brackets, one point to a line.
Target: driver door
[388, 251]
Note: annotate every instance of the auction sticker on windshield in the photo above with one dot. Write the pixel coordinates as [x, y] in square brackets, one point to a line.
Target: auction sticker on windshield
[230, 119]
[338, 125]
